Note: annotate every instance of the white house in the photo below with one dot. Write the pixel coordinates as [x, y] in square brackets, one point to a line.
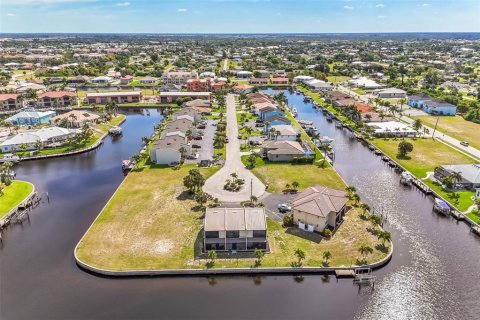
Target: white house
[47, 136]
[391, 129]
[168, 150]
[101, 80]
[365, 83]
[285, 132]
[302, 79]
[391, 93]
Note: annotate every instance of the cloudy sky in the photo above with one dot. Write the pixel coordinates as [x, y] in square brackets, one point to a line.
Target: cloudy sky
[239, 16]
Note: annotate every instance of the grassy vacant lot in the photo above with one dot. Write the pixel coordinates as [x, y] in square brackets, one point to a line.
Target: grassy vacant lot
[13, 195]
[426, 155]
[277, 174]
[336, 79]
[456, 127]
[151, 223]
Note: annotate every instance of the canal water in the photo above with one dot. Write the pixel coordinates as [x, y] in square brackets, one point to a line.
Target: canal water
[433, 275]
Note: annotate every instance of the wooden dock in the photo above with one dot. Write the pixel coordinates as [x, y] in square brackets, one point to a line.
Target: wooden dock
[475, 229]
[344, 273]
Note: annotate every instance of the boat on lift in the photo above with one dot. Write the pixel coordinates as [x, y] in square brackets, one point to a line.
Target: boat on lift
[441, 206]
[10, 157]
[115, 130]
[326, 140]
[406, 178]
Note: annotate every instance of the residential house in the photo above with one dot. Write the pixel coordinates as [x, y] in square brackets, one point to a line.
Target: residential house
[391, 93]
[258, 81]
[470, 174]
[319, 86]
[319, 207]
[30, 117]
[235, 229]
[219, 86]
[51, 136]
[10, 101]
[284, 151]
[170, 97]
[101, 80]
[284, 132]
[126, 80]
[77, 118]
[275, 120]
[168, 150]
[198, 103]
[244, 74]
[243, 88]
[391, 129]
[432, 106]
[302, 79]
[187, 113]
[365, 83]
[267, 111]
[118, 97]
[57, 99]
[78, 80]
[279, 80]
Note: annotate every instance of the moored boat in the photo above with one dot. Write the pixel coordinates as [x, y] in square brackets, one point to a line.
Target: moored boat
[441, 206]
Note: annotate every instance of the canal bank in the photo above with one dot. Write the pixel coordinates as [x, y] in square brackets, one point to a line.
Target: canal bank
[433, 256]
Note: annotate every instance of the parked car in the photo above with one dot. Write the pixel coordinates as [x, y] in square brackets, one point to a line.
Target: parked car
[226, 140]
[283, 207]
[197, 138]
[255, 143]
[201, 126]
[259, 121]
[259, 125]
[464, 143]
[196, 146]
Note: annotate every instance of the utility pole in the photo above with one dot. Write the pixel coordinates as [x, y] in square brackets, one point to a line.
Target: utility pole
[434, 129]
[251, 188]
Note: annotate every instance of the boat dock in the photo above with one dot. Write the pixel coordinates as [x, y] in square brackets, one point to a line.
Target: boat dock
[344, 273]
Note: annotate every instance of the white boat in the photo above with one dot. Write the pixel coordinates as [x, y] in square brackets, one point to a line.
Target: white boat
[326, 140]
[305, 122]
[10, 157]
[116, 130]
[127, 165]
[441, 206]
[406, 178]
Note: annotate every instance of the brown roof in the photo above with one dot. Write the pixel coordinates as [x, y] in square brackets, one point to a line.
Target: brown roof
[283, 147]
[8, 96]
[320, 201]
[169, 142]
[178, 125]
[82, 116]
[56, 94]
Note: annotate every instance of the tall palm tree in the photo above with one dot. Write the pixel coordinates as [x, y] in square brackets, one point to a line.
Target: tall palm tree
[364, 251]
[456, 176]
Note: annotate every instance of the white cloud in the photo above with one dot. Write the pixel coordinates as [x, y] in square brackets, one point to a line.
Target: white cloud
[11, 14]
[123, 4]
[182, 10]
[381, 17]
[425, 5]
[380, 5]
[348, 7]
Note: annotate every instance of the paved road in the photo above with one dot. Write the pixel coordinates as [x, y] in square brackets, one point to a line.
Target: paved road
[225, 65]
[438, 134]
[214, 185]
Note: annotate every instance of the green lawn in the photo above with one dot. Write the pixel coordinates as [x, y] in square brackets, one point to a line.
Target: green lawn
[13, 195]
[426, 155]
[359, 91]
[277, 174]
[337, 79]
[150, 223]
[475, 216]
[456, 127]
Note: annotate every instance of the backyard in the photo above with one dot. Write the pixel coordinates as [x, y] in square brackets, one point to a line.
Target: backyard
[13, 195]
[456, 127]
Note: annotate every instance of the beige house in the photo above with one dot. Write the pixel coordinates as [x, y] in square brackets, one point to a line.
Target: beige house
[319, 207]
[235, 229]
[77, 118]
[279, 151]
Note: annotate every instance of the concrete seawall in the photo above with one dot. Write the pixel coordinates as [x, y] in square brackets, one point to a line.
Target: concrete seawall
[14, 210]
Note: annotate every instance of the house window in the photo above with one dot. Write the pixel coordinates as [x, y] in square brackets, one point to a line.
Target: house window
[259, 233]
[233, 234]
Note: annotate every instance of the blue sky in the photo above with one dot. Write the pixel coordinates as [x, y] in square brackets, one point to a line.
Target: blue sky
[239, 16]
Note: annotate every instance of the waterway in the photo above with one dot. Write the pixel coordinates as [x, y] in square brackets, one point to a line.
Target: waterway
[433, 275]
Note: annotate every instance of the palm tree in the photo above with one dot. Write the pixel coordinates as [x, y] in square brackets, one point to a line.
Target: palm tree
[258, 254]
[295, 185]
[365, 207]
[73, 118]
[183, 152]
[300, 256]
[38, 144]
[326, 257]
[23, 147]
[456, 176]
[417, 125]
[356, 199]
[211, 255]
[365, 251]
[402, 102]
[271, 133]
[384, 236]
[248, 130]
[350, 190]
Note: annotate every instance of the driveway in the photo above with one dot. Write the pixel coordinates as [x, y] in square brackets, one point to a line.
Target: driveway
[233, 164]
[271, 202]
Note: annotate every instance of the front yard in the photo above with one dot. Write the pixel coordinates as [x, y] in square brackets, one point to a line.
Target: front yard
[151, 223]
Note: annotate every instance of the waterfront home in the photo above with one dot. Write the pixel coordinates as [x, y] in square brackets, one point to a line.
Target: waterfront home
[125, 80]
[470, 174]
[118, 97]
[10, 101]
[168, 149]
[78, 80]
[284, 132]
[275, 120]
[282, 151]
[365, 83]
[302, 79]
[187, 113]
[57, 99]
[76, 118]
[431, 105]
[243, 88]
[27, 86]
[101, 80]
[170, 97]
[235, 229]
[199, 85]
[391, 93]
[148, 80]
[266, 111]
[178, 77]
[319, 207]
[198, 103]
[244, 74]
[30, 117]
[391, 129]
[258, 81]
[318, 86]
[279, 80]
[49, 137]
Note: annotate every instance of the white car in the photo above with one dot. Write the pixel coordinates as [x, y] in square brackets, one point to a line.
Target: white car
[283, 207]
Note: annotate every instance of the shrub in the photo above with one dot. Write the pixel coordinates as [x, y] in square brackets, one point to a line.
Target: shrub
[287, 220]
[303, 160]
[327, 233]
